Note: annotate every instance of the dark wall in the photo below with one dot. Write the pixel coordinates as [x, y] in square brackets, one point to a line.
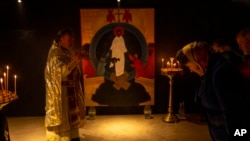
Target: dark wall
[28, 31]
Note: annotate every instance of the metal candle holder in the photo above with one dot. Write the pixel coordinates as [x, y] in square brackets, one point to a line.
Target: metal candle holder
[170, 71]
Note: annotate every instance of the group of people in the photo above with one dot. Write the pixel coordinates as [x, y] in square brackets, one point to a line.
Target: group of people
[224, 91]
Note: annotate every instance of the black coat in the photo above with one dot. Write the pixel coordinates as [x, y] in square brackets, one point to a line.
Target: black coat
[223, 94]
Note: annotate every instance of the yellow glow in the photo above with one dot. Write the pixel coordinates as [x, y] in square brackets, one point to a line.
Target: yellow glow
[123, 127]
[19, 1]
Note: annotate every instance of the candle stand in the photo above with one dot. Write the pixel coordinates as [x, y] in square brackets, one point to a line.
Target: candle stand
[7, 96]
[170, 72]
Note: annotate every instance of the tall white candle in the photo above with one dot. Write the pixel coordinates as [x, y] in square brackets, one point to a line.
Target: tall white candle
[171, 61]
[168, 64]
[15, 76]
[178, 64]
[162, 62]
[174, 65]
[4, 81]
[7, 83]
[1, 79]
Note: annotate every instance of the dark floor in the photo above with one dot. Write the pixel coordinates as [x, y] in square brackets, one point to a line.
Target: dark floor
[118, 128]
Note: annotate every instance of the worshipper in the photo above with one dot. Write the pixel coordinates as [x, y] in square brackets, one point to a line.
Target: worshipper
[229, 49]
[243, 40]
[224, 44]
[222, 92]
[65, 109]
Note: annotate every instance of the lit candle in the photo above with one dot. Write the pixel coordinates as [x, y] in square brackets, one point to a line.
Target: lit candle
[168, 64]
[174, 65]
[162, 62]
[178, 64]
[15, 76]
[171, 61]
[7, 80]
[5, 84]
[1, 79]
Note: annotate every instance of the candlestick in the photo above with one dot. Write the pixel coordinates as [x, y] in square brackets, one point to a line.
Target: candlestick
[170, 71]
[7, 80]
[178, 64]
[7, 96]
[171, 61]
[174, 65]
[15, 76]
[168, 64]
[162, 62]
[1, 79]
[4, 81]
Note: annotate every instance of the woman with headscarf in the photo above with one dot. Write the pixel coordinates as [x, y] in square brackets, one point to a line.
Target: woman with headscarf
[222, 93]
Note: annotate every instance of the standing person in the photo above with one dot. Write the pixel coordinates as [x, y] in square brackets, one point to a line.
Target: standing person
[225, 44]
[64, 96]
[243, 40]
[222, 92]
[229, 49]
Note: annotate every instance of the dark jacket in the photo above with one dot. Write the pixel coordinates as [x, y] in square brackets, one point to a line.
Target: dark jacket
[223, 93]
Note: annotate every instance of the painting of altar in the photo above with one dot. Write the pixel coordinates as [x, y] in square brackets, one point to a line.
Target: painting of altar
[118, 62]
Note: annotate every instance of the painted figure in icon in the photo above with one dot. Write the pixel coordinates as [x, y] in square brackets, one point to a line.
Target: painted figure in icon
[119, 87]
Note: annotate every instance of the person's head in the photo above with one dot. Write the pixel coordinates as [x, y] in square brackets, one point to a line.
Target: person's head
[65, 38]
[243, 40]
[222, 45]
[195, 56]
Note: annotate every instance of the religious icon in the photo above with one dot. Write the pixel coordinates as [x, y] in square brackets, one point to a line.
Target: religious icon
[122, 55]
[119, 87]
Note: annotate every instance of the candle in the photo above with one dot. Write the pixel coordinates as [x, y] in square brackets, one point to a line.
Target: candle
[174, 65]
[178, 64]
[162, 62]
[7, 75]
[5, 84]
[1, 79]
[15, 76]
[168, 64]
[171, 61]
